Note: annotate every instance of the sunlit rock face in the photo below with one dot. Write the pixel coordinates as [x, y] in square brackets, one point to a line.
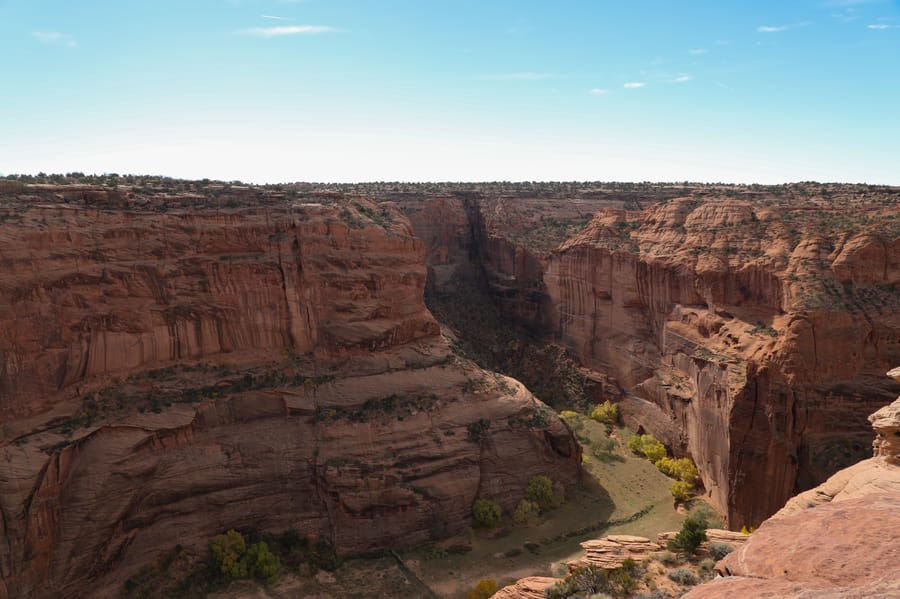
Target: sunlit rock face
[750, 332]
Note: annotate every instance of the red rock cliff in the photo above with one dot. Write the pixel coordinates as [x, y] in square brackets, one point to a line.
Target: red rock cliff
[166, 377]
[748, 332]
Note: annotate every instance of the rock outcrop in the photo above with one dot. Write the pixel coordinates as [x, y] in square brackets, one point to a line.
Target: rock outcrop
[747, 331]
[836, 540]
[166, 376]
[532, 587]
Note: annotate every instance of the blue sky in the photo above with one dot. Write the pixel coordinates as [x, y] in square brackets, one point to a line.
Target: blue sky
[453, 90]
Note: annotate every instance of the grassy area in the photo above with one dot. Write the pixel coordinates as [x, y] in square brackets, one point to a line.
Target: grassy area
[620, 494]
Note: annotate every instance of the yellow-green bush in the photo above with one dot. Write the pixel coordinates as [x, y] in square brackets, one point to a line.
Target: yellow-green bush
[526, 512]
[484, 589]
[681, 490]
[648, 446]
[683, 469]
[606, 412]
[573, 419]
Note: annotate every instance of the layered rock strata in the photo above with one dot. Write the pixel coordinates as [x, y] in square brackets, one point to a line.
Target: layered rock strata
[168, 376]
[747, 331]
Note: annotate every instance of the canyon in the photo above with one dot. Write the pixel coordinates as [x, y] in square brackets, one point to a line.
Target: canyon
[748, 330]
[263, 358]
[168, 375]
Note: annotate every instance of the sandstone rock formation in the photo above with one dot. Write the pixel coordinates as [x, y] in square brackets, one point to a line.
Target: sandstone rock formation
[532, 587]
[837, 540]
[748, 331]
[169, 373]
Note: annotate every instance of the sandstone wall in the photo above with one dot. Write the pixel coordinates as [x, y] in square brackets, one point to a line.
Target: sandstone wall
[169, 375]
[759, 328]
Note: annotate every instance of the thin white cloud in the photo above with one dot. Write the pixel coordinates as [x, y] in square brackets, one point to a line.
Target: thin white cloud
[681, 79]
[697, 51]
[599, 91]
[283, 30]
[526, 76]
[882, 26]
[779, 28]
[274, 18]
[634, 85]
[54, 38]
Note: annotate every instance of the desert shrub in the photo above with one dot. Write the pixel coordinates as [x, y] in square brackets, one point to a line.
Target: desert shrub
[648, 446]
[706, 565]
[261, 563]
[667, 558]
[591, 581]
[683, 576]
[683, 469]
[227, 551]
[486, 513]
[234, 558]
[747, 530]
[606, 413]
[720, 550]
[484, 589]
[681, 490]
[692, 533]
[539, 490]
[654, 594]
[526, 511]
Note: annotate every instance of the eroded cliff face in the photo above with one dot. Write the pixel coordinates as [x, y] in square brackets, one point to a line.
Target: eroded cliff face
[168, 376]
[748, 332]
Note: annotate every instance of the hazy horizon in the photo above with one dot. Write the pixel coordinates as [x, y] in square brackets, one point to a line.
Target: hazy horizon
[347, 91]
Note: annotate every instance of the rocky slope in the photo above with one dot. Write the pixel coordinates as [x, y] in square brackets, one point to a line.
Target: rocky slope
[747, 330]
[172, 369]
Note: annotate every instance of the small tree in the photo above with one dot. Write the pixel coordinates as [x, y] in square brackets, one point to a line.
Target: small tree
[227, 551]
[261, 563]
[486, 513]
[539, 490]
[692, 533]
[526, 512]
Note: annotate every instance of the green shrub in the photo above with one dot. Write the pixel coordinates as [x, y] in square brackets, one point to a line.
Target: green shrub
[227, 551]
[720, 550]
[234, 558]
[590, 581]
[486, 513]
[692, 533]
[261, 563]
[606, 413]
[683, 576]
[539, 490]
[526, 512]
[484, 589]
